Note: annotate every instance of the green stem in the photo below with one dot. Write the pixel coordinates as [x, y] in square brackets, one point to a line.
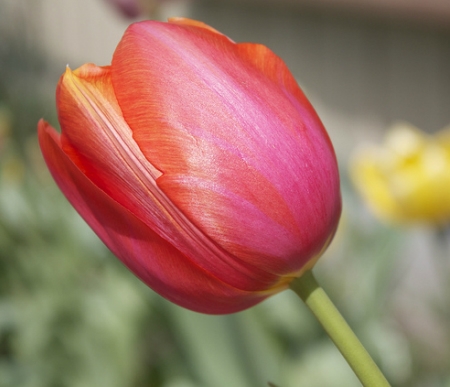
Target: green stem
[307, 288]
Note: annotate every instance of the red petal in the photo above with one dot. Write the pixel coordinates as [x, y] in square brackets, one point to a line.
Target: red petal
[242, 152]
[146, 254]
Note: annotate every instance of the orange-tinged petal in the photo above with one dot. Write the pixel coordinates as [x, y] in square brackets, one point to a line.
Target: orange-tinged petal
[155, 261]
[97, 138]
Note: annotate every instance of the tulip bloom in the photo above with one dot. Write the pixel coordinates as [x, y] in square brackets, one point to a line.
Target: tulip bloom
[408, 178]
[199, 162]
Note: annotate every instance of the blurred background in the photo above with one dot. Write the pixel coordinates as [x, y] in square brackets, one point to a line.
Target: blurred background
[72, 316]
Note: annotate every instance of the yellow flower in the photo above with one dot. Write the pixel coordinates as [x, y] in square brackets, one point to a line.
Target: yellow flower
[407, 179]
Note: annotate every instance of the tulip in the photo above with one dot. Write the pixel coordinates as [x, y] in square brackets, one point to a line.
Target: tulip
[407, 179]
[199, 162]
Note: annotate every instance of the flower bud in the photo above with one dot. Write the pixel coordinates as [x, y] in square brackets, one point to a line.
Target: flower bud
[199, 162]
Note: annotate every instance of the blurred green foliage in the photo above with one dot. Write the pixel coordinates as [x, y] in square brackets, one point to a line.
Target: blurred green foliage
[71, 315]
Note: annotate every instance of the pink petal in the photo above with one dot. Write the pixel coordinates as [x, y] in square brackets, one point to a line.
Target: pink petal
[241, 151]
